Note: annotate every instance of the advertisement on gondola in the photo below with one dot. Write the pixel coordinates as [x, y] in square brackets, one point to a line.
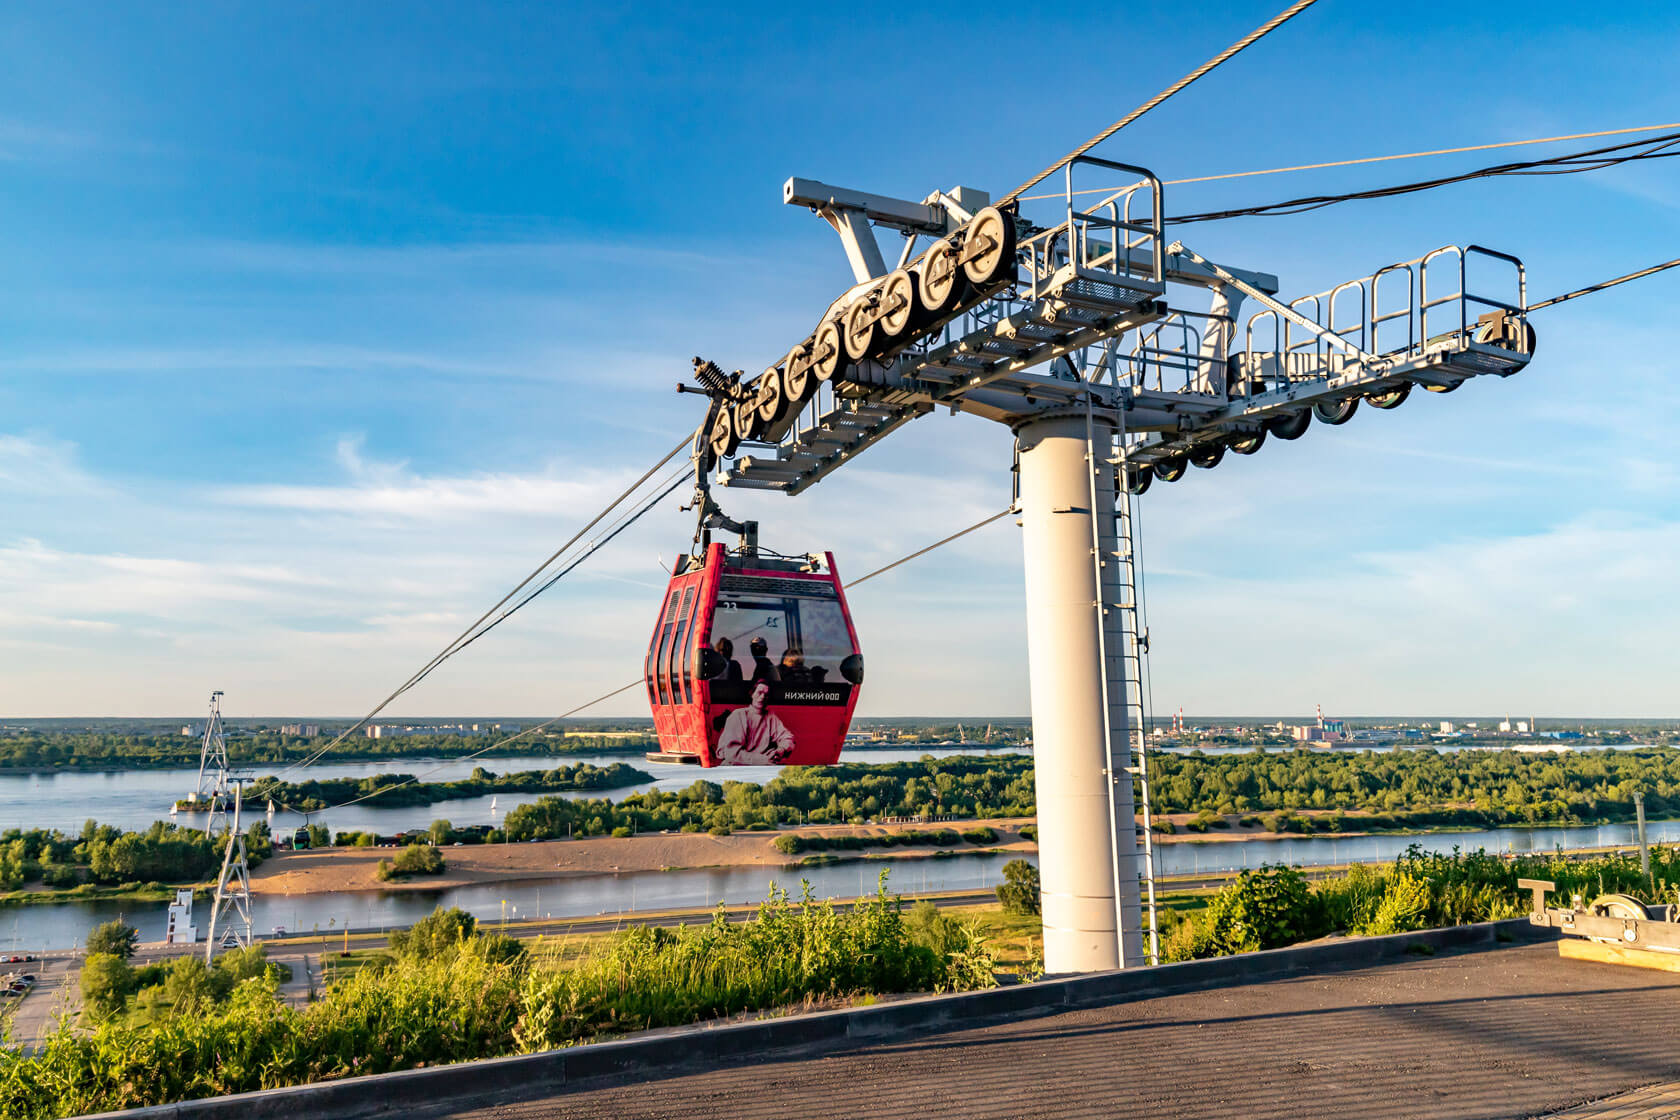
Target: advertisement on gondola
[788, 700]
[753, 667]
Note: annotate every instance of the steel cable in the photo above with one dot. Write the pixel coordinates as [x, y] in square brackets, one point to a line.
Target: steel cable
[627, 687]
[1596, 159]
[468, 635]
[1229, 52]
[1374, 159]
[1603, 284]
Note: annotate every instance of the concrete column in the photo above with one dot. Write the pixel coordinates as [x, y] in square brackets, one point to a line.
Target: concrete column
[1087, 839]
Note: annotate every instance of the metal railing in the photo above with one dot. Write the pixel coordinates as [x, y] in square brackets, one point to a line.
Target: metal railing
[1399, 312]
[1117, 239]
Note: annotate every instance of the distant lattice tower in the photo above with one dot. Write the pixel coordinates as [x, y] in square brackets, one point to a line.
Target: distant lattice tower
[232, 904]
[212, 786]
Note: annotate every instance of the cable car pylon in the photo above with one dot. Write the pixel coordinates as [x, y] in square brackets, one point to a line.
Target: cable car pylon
[1117, 357]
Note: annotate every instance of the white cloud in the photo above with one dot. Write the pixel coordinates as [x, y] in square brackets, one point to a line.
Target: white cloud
[38, 466]
[389, 489]
[1574, 620]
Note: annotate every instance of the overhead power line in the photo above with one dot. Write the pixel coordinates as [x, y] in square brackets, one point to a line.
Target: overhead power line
[1596, 159]
[1217, 60]
[1603, 284]
[1374, 159]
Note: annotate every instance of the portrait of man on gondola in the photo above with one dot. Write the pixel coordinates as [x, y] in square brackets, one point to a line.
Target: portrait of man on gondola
[754, 735]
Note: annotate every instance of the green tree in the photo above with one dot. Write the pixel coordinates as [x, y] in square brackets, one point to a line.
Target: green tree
[1019, 891]
[442, 832]
[113, 938]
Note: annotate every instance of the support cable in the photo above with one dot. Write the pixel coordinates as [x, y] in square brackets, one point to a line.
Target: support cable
[1603, 284]
[638, 681]
[485, 750]
[1219, 59]
[931, 547]
[1372, 159]
[1596, 159]
[468, 635]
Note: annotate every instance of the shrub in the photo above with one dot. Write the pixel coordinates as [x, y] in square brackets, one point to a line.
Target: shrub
[416, 859]
[981, 835]
[788, 844]
[1019, 891]
[1258, 910]
[1404, 905]
[720, 830]
[1029, 832]
[622, 832]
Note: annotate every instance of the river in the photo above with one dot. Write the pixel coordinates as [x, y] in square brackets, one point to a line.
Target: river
[134, 798]
[65, 925]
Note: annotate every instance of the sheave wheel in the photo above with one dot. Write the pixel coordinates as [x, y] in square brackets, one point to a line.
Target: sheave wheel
[770, 401]
[1292, 426]
[1207, 455]
[941, 277]
[1617, 906]
[901, 304]
[1248, 442]
[1391, 398]
[724, 439]
[859, 332]
[1138, 479]
[1336, 412]
[828, 353]
[797, 382]
[988, 252]
[1171, 470]
[747, 423]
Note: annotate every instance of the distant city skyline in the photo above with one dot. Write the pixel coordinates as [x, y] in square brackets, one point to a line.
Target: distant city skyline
[319, 333]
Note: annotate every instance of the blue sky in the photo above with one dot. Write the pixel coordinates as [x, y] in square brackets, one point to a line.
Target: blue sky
[320, 324]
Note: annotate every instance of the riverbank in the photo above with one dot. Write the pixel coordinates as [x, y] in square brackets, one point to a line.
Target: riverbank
[325, 870]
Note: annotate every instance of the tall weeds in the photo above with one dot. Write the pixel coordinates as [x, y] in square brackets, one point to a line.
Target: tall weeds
[470, 1000]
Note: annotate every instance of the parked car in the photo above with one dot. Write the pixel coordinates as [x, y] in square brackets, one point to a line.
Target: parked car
[13, 993]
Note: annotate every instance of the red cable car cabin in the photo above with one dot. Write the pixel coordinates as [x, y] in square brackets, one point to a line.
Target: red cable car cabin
[753, 662]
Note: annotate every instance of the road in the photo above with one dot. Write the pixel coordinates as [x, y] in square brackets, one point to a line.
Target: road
[31, 1018]
[1509, 1032]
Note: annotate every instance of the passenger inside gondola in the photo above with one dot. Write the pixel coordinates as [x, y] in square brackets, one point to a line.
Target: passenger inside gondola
[792, 669]
[729, 669]
[763, 668]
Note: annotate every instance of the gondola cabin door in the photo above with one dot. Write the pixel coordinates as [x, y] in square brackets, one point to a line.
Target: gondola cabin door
[753, 661]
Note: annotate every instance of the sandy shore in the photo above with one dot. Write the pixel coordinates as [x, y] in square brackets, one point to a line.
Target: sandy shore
[354, 869]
